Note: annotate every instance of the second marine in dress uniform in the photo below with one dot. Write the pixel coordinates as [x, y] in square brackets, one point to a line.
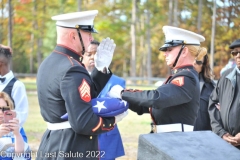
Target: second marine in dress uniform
[174, 105]
[64, 85]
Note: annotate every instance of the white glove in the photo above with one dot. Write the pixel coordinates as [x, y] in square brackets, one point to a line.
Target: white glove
[119, 117]
[104, 55]
[115, 91]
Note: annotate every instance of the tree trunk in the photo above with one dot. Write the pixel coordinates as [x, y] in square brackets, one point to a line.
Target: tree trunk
[133, 36]
[149, 53]
[199, 16]
[40, 39]
[213, 34]
[35, 27]
[1, 26]
[175, 15]
[143, 71]
[10, 25]
[170, 11]
[31, 55]
[170, 22]
[79, 5]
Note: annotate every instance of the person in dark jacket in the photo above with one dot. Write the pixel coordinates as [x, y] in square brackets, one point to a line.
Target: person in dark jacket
[173, 106]
[225, 119]
[202, 66]
[65, 86]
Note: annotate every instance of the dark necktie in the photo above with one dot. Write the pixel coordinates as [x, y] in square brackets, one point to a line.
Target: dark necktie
[2, 79]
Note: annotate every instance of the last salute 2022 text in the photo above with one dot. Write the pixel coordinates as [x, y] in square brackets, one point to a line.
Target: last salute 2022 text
[88, 154]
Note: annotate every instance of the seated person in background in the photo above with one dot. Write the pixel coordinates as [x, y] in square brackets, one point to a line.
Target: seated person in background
[12, 145]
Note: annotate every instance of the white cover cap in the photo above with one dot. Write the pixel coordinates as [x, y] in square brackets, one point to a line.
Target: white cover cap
[174, 33]
[176, 36]
[76, 19]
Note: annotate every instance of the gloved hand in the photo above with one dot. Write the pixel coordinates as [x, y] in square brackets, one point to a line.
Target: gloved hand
[104, 55]
[115, 91]
[119, 117]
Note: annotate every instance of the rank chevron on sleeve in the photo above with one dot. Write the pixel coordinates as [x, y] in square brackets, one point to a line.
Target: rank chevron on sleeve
[84, 91]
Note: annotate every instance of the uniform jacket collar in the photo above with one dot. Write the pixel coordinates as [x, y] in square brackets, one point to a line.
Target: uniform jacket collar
[68, 51]
[232, 76]
[176, 70]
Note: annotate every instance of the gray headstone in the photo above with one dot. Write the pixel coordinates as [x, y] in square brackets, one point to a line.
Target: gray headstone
[198, 145]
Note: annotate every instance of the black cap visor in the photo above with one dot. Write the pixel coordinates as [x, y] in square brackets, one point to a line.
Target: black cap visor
[88, 28]
[166, 46]
[174, 43]
[171, 43]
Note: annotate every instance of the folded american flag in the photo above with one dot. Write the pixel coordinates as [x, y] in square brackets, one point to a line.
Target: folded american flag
[105, 106]
[108, 107]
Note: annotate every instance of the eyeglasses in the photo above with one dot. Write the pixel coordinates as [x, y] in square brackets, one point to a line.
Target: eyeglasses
[235, 53]
[199, 62]
[4, 108]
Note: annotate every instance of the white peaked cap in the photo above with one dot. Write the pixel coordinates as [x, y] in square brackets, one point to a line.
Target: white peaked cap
[174, 33]
[74, 19]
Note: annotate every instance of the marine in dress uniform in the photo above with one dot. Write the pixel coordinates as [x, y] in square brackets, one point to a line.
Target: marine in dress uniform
[174, 105]
[64, 85]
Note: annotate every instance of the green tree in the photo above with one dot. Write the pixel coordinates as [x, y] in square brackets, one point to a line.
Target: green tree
[34, 33]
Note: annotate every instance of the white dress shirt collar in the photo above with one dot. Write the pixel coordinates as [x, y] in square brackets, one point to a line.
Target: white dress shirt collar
[8, 77]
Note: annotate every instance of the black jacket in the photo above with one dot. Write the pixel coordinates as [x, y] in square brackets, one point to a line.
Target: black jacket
[224, 94]
[64, 85]
[203, 120]
[176, 101]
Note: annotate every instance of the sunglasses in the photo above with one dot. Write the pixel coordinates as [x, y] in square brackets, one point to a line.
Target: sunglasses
[4, 108]
[199, 62]
[235, 53]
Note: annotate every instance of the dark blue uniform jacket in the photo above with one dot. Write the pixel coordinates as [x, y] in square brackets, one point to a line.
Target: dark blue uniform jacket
[176, 101]
[64, 85]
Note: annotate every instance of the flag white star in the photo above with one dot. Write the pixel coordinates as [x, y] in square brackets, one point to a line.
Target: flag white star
[125, 102]
[100, 105]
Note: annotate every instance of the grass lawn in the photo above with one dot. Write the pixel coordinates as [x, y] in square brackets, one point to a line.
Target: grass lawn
[130, 127]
